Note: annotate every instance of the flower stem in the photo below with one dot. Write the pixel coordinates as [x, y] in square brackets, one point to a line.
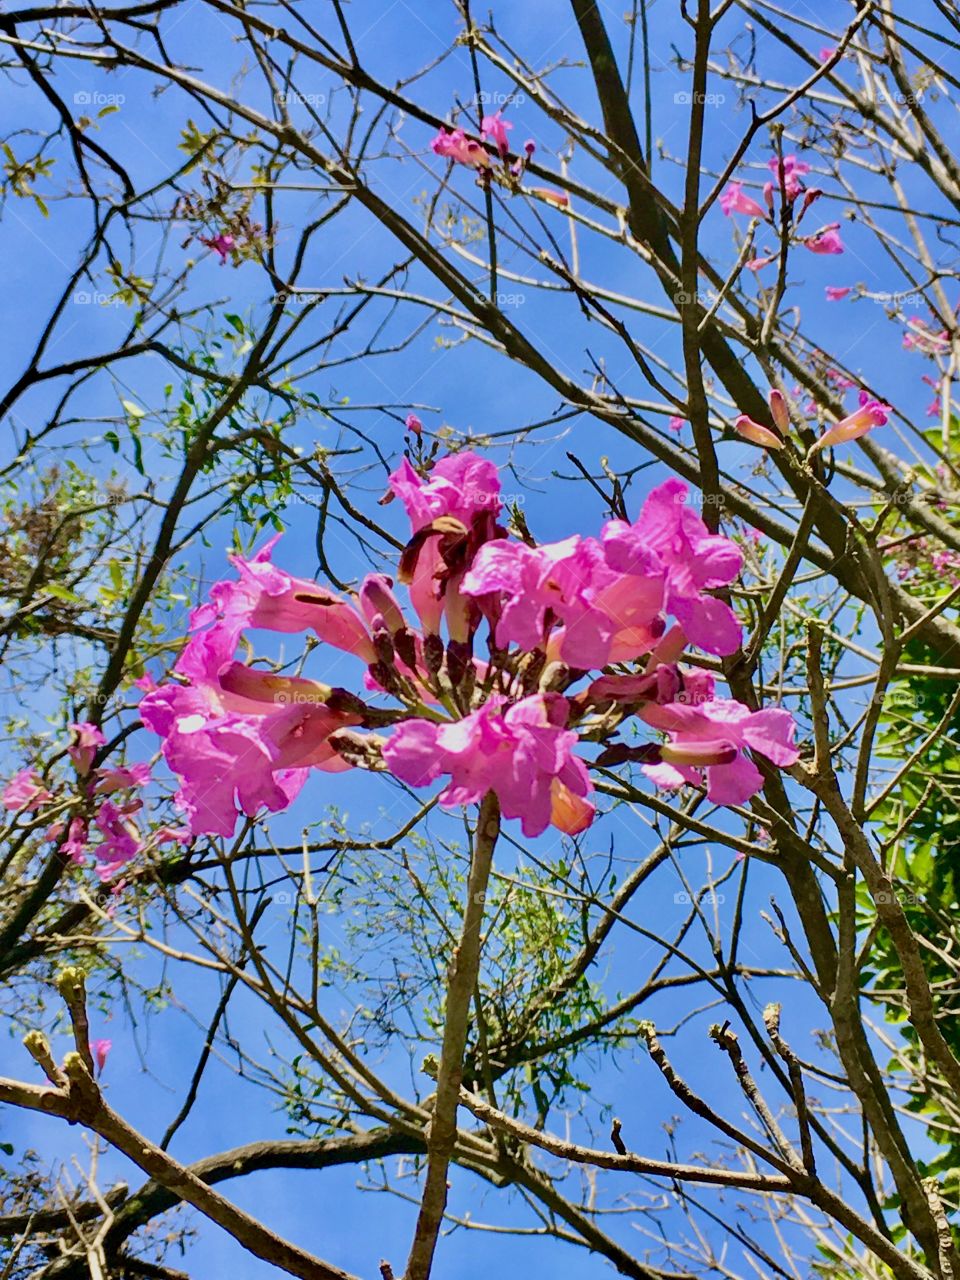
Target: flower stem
[461, 982]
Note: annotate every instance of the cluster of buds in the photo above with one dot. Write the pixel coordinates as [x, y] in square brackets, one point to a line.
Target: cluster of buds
[625, 604]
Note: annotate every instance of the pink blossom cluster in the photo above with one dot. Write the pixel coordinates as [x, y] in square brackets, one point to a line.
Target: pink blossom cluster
[457, 146]
[242, 737]
[787, 186]
[105, 827]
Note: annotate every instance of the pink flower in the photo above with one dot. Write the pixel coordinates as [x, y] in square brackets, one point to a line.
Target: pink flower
[24, 791]
[455, 145]
[827, 52]
[792, 170]
[460, 485]
[607, 615]
[245, 741]
[757, 264]
[837, 293]
[75, 845]
[826, 240]
[524, 754]
[413, 424]
[676, 423]
[733, 200]
[871, 413]
[693, 559]
[87, 738]
[98, 1051]
[221, 244]
[266, 596]
[757, 433]
[134, 775]
[779, 410]
[121, 841]
[452, 511]
[496, 127]
[713, 738]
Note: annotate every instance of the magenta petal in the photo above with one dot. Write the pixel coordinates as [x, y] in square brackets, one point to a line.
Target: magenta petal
[412, 755]
[733, 783]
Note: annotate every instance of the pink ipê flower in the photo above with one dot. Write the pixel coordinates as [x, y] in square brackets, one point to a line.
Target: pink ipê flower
[24, 791]
[827, 52]
[413, 424]
[733, 200]
[523, 752]
[826, 240]
[455, 145]
[713, 739]
[756, 433]
[871, 413]
[495, 128]
[792, 170]
[99, 1051]
[676, 423]
[222, 244]
[837, 293]
[87, 738]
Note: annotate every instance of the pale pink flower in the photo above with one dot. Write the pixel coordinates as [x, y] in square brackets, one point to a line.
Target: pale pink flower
[455, 145]
[109, 780]
[756, 433]
[837, 293]
[871, 413]
[24, 791]
[827, 52]
[495, 127]
[733, 200]
[523, 753]
[757, 264]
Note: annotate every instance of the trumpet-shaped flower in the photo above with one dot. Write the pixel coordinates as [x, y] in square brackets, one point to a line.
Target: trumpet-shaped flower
[713, 738]
[87, 737]
[871, 413]
[24, 791]
[733, 200]
[792, 171]
[756, 433]
[455, 145]
[495, 128]
[523, 752]
[826, 240]
[694, 561]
